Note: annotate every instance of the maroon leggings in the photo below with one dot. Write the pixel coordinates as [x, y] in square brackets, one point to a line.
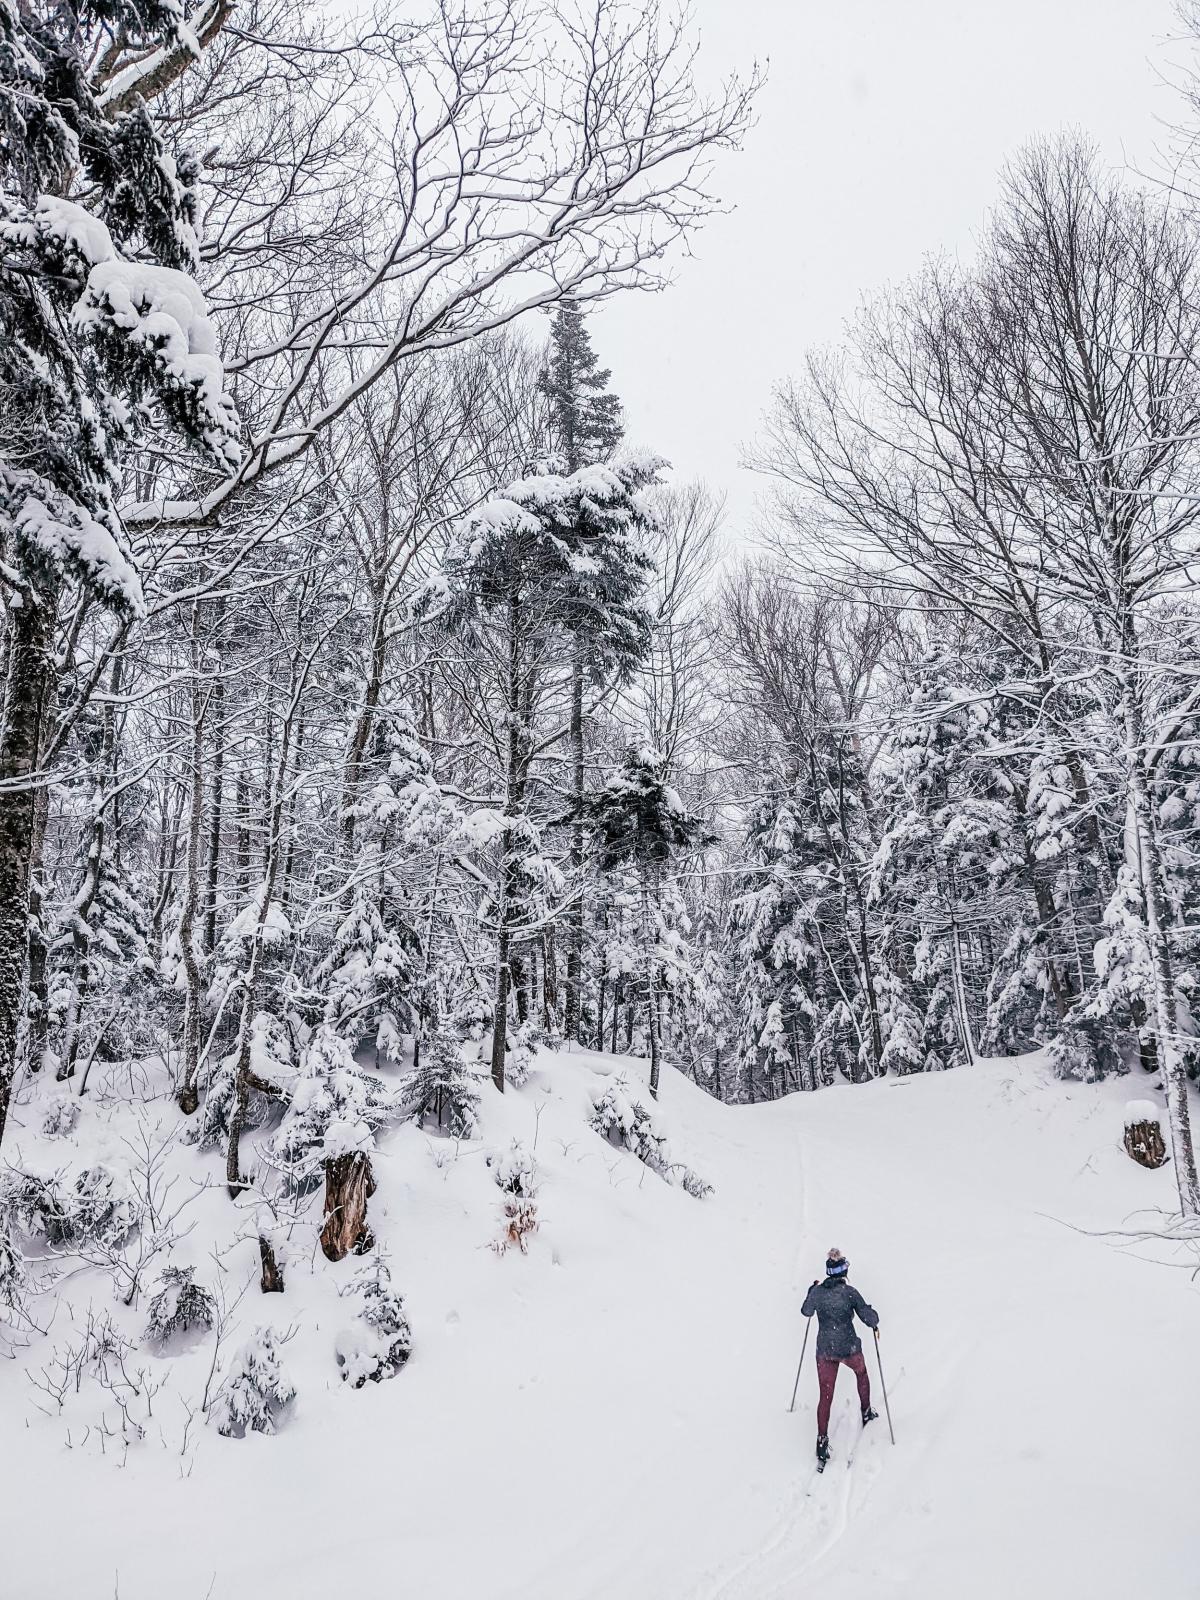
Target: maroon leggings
[827, 1371]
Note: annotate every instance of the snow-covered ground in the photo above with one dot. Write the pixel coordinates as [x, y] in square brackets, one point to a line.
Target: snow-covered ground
[607, 1416]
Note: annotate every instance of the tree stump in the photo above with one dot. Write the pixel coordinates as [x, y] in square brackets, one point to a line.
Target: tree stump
[1144, 1142]
[349, 1184]
[272, 1274]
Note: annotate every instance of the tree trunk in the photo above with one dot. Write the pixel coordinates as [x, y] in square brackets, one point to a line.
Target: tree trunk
[618, 992]
[500, 1019]
[550, 978]
[85, 900]
[514, 794]
[956, 973]
[1174, 1071]
[241, 807]
[520, 977]
[189, 1084]
[574, 974]
[216, 802]
[272, 1275]
[273, 845]
[651, 991]
[30, 678]
[360, 734]
[37, 992]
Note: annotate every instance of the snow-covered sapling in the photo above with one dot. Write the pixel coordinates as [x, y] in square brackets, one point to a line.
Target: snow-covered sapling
[179, 1303]
[443, 1091]
[255, 1389]
[620, 1117]
[381, 1341]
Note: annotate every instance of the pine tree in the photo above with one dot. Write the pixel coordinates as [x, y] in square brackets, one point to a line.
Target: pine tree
[525, 573]
[585, 427]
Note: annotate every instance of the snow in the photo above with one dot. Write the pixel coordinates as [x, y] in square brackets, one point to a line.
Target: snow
[1142, 1111]
[276, 929]
[164, 311]
[75, 227]
[71, 535]
[607, 1415]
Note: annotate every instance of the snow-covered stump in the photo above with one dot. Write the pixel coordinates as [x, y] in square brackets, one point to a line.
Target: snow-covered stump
[349, 1184]
[1143, 1134]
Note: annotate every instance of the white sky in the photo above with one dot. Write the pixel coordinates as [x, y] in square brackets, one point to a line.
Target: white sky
[880, 135]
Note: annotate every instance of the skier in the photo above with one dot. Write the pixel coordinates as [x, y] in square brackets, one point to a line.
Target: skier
[836, 1303]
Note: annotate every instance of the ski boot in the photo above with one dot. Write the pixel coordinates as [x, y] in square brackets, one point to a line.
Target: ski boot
[869, 1416]
[822, 1451]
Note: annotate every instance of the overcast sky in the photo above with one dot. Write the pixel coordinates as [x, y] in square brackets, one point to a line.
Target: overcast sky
[880, 134]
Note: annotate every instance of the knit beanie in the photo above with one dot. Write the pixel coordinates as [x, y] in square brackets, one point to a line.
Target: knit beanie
[836, 1266]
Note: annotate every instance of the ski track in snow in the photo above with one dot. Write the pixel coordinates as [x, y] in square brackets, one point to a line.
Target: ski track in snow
[607, 1418]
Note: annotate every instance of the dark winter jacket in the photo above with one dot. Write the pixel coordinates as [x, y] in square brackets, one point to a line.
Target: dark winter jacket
[835, 1303]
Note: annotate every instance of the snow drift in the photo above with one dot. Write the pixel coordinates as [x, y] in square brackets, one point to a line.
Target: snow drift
[606, 1414]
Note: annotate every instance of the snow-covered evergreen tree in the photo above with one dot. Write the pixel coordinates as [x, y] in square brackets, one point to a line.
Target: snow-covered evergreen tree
[105, 341]
[255, 1389]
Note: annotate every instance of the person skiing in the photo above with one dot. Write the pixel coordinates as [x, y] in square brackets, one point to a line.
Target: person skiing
[836, 1303]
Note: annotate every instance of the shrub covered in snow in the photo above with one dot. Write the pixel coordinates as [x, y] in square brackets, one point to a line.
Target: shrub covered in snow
[179, 1303]
[99, 1206]
[443, 1090]
[102, 1206]
[1084, 1048]
[695, 1185]
[515, 1171]
[255, 1389]
[60, 1118]
[381, 1341]
[620, 1117]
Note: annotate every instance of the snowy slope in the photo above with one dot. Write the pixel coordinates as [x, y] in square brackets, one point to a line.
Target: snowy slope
[607, 1417]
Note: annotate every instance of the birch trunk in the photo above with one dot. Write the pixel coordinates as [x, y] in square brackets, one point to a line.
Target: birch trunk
[189, 1085]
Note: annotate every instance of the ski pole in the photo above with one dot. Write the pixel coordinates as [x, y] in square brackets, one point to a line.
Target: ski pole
[803, 1348]
[883, 1385]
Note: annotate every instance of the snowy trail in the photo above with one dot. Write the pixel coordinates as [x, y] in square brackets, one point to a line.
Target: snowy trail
[1026, 1361]
[608, 1417]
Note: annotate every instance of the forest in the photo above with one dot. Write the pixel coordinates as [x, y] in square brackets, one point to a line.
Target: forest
[380, 718]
